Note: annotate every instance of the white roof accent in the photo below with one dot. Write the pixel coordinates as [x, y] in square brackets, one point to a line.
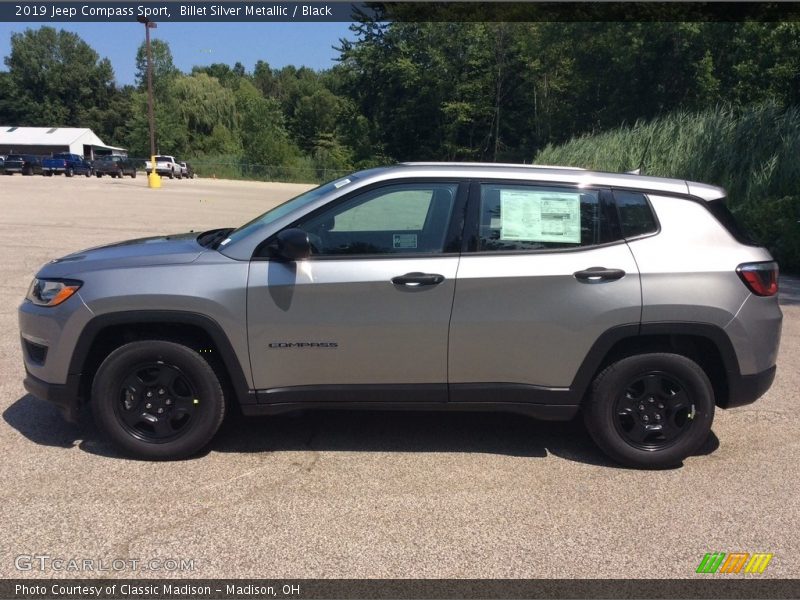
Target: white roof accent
[39, 136]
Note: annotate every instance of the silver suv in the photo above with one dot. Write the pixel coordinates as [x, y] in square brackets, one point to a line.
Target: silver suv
[544, 291]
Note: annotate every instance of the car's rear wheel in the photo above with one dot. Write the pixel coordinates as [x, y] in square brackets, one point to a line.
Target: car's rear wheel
[133, 174]
[157, 400]
[88, 173]
[68, 172]
[650, 410]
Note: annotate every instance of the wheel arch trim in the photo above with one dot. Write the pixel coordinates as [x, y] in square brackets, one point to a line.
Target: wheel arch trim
[209, 326]
[603, 346]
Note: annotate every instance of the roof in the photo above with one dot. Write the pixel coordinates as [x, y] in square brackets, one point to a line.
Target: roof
[554, 174]
[47, 136]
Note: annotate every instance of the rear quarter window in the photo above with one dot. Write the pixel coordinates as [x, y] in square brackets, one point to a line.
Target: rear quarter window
[722, 213]
[635, 215]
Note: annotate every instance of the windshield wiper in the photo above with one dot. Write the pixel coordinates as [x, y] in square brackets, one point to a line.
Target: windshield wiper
[213, 237]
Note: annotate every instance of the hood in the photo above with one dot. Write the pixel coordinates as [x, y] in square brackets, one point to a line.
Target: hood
[162, 250]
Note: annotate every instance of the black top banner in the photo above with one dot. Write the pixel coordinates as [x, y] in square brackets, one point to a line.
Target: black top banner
[315, 11]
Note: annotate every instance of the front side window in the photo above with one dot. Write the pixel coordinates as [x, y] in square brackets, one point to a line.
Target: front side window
[396, 219]
[533, 217]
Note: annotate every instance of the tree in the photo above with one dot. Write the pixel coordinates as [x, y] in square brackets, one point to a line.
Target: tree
[164, 69]
[55, 79]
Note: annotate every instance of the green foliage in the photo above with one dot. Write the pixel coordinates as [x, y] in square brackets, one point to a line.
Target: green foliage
[453, 88]
[54, 77]
[752, 152]
[164, 69]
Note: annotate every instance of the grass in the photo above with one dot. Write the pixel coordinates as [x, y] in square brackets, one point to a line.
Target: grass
[753, 152]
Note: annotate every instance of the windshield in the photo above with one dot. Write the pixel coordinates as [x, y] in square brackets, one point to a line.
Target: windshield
[284, 209]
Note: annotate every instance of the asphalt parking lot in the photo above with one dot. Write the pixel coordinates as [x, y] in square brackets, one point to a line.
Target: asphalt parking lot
[372, 495]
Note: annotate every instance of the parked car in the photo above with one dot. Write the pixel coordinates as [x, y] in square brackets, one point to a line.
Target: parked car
[68, 164]
[637, 301]
[166, 166]
[26, 164]
[115, 166]
[187, 170]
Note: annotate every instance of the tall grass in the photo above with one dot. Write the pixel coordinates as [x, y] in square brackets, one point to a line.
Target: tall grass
[298, 170]
[753, 152]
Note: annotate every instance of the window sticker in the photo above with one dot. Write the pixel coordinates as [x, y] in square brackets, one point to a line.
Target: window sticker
[404, 240]
[539, 216]
[341, 183]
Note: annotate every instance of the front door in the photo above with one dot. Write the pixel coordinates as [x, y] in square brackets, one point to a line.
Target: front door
[367, 316]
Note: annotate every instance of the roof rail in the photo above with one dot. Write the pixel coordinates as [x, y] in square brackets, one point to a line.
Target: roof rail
[485, 164]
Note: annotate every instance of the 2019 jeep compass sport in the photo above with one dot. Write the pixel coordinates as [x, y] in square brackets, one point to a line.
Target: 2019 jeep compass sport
[545, 291]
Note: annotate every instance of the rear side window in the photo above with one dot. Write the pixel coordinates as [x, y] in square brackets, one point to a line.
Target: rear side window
[635, 215]
[533, 217]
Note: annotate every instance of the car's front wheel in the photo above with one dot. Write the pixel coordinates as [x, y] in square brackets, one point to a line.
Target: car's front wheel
[157, 400]
[650, 410]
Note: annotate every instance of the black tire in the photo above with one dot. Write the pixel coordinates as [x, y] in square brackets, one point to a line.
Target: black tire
[68, 172]
[180, 383]
[171, 175]
[88, 173]
[650, 411]
[133, 174]
[99, 175]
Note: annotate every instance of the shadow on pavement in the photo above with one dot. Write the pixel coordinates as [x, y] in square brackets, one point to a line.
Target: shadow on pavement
[353, 431]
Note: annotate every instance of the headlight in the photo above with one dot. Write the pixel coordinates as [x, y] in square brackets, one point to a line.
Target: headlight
[52, 292]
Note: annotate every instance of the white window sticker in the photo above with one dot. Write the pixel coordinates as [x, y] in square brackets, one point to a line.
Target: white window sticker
[404, 240]
[538, 216]
[340, 183]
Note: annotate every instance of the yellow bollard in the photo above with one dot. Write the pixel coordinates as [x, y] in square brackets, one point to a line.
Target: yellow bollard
[154, 179]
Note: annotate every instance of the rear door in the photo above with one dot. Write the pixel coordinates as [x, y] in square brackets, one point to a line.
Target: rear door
[367, 316]
[544, 275]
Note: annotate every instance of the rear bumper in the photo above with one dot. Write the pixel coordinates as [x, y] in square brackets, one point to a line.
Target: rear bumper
[63, 395]
[746, 389]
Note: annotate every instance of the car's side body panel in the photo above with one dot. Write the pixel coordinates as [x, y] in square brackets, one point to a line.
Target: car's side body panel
[526, 319]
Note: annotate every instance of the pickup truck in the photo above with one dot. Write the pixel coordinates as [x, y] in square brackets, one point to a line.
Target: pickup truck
[166, 166]
[115, 166]
[68, 164]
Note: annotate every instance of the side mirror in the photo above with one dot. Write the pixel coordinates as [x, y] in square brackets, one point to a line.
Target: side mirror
[291, 244]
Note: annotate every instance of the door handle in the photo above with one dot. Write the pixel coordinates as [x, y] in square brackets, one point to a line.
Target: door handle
[418, 279]
[597, 274]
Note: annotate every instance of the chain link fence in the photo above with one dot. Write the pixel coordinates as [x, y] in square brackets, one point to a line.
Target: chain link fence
[236, 169]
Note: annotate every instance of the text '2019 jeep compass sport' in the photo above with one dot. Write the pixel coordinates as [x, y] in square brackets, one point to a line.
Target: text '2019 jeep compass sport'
[545, 291]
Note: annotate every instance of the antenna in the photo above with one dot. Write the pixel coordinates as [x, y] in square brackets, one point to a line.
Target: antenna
[640, 168]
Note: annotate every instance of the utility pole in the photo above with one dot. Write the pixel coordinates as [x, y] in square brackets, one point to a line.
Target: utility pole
[153, 180]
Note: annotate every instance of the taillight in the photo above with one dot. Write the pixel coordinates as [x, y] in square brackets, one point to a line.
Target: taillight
[760, 278]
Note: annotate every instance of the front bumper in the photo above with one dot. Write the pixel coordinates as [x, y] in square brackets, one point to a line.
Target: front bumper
[64, 395]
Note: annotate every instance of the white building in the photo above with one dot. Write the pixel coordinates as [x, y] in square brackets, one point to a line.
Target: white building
[44, 141]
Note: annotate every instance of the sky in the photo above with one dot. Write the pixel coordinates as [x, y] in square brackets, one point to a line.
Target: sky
[279, 44]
